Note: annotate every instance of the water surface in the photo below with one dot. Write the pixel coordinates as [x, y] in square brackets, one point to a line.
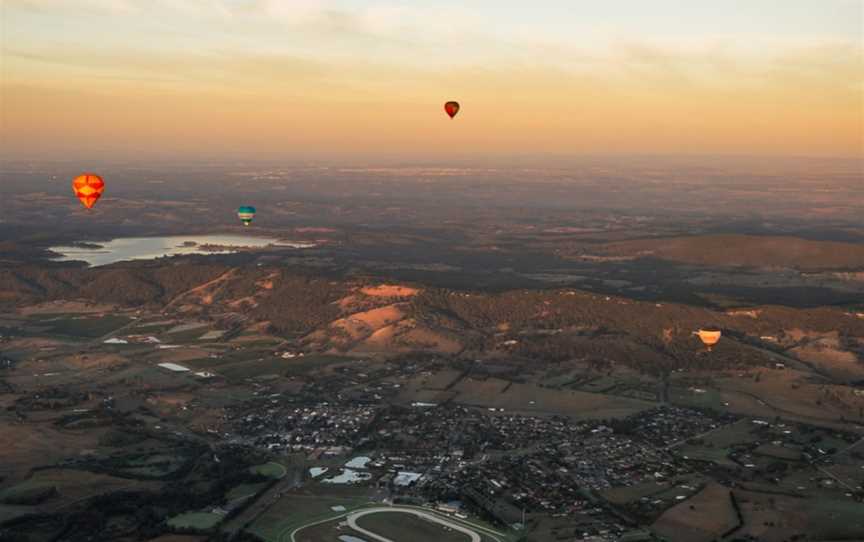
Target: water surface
[146, 248]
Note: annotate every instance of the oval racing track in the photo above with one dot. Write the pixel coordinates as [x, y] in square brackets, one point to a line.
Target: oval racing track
[467, 528]
[353, 517]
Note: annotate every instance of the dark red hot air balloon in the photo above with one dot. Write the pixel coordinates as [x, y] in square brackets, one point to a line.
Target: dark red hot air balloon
[451, 108]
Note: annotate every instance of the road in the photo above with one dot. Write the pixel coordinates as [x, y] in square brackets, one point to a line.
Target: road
[352, 522]
[292, 479]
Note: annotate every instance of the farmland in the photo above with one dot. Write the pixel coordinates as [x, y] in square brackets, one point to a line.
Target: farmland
[226, 411]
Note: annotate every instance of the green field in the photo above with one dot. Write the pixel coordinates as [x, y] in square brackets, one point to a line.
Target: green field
[150, 375]
[201, 521]
[155, 465]
[85, 328]
[742, 431]
[779, 452]
[244, 490]
[409, 527]
[296, 510]
[719, 456]
[184, 336]
[270, 470]
[717, 445]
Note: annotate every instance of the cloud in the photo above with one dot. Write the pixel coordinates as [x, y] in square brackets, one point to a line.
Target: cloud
[220, 68]
[108, 6]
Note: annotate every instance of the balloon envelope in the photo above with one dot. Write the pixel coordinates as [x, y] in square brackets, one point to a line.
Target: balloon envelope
[88, 188]
[451, 108]
[246, 213]
[709, 337]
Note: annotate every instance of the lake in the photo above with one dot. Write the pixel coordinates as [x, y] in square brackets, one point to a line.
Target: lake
[146, 248]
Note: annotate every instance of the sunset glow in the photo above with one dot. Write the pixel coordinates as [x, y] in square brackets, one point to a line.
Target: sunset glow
[267, 78]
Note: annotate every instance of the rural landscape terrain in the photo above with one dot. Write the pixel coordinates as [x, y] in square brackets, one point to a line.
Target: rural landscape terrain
[469, 353]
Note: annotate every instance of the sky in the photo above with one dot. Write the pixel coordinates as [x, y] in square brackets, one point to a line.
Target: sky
[270, 78]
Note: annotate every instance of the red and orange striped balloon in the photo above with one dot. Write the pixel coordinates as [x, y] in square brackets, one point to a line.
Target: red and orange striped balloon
[88, 188]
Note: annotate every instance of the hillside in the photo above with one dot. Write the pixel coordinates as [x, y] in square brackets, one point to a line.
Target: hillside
[365, 316]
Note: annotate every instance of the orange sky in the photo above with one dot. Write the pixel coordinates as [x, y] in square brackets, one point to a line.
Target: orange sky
[207, 82]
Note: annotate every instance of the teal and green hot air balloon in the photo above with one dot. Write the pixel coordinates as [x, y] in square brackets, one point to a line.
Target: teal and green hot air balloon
[246, 214]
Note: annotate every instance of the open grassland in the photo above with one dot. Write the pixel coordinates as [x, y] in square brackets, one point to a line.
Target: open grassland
[529, 398]
[705, 398]
[790, 394]
[70, 485]
[702, 518]
[774, 518]
[21, 443]
[65, 308]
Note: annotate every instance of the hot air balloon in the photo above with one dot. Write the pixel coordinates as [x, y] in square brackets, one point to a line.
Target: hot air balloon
[709, 337]
[246, 213]
[451, 108]
[88, 188]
